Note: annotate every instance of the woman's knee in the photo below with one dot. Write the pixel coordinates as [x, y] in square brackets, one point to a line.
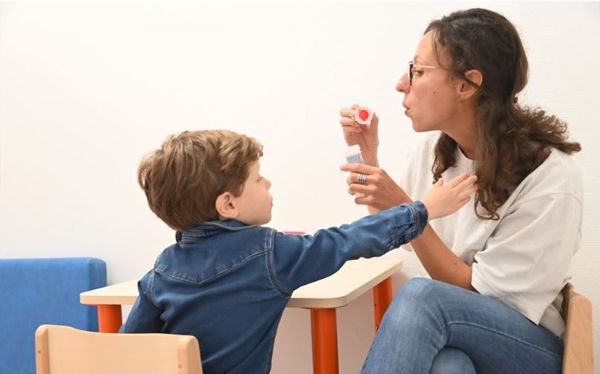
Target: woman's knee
[452, 361]
[424, 289]
[410, 301]
[418, 291]
[414, 286]
[420, 297]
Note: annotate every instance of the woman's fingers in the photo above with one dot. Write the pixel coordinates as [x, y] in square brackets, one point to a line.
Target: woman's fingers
[360, 168]
[350, 125]
[362, 200]
[357, 178]
[347, 112]
[347, 121]
[359, 188]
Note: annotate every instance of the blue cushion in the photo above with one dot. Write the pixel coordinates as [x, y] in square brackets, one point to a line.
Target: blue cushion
[40, 291]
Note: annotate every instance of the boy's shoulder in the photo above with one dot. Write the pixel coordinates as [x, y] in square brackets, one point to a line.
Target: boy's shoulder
[212, 249]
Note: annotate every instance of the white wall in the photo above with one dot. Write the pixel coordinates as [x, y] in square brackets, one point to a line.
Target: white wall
[87, 89]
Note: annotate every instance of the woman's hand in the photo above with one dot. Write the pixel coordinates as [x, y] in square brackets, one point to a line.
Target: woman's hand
[374, 188]
[365, 136]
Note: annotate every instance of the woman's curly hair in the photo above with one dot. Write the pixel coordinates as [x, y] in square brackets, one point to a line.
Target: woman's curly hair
[512, 140]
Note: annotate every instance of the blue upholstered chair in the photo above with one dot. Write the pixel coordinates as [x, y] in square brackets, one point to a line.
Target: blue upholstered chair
[42, 291]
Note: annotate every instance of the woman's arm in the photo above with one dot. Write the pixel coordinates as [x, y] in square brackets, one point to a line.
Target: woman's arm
[381, 192]
[439, 261]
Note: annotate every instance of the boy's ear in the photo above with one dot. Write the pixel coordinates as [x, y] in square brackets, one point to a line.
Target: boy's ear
[226, 207]
[466, 90]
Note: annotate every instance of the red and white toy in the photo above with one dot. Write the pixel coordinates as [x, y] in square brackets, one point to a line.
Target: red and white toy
[363, 116]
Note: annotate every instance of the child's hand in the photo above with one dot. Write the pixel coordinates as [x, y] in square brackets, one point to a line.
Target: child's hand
[447, 198]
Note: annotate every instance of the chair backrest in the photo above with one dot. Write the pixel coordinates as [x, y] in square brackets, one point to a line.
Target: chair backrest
[578, 356]
[66, 350]
[37, 291]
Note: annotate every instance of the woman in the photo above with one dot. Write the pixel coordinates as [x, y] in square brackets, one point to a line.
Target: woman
[498, 264]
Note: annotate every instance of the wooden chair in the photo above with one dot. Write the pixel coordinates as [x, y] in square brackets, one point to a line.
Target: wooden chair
[66, 350]
[578, 356]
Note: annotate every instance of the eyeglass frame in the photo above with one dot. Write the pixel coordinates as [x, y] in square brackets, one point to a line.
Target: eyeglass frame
[411, 65]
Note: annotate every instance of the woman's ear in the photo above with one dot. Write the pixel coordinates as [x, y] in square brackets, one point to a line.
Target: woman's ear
[226, 207]
[467, 90]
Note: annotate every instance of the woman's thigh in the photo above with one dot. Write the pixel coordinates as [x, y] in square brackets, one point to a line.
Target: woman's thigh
[497, 338]
[428, 316]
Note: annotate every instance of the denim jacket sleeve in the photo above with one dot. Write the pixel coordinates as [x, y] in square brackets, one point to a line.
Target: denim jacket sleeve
[144, 315]
[298, 260]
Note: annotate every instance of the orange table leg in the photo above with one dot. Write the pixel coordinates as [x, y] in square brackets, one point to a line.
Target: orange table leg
[109, 318]
[382, 295]
[324, 341]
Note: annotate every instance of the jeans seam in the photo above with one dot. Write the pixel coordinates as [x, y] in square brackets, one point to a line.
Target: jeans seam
[444, 327]
[507, 336]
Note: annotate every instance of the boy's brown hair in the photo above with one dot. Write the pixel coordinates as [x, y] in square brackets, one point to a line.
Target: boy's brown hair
[183, 178]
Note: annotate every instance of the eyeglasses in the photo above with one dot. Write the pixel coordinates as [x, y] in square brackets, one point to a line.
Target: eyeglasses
[411, 67]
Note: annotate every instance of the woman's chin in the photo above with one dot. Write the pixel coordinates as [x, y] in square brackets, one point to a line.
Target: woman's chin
[421, 127]
[417, 127]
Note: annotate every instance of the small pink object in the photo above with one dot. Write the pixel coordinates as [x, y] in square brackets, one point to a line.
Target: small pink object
[363, 116]
[294, 232]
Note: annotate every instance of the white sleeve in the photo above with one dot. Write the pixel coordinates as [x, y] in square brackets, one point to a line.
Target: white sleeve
[525, 261]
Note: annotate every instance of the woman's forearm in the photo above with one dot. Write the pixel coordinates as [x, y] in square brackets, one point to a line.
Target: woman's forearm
[439, 261]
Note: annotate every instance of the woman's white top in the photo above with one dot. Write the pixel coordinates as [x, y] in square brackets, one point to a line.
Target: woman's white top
[523, 258]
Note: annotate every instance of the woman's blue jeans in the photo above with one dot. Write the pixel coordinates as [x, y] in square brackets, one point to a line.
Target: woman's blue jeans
[434, 327]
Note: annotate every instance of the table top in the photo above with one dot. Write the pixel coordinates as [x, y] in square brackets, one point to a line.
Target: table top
[352, 280]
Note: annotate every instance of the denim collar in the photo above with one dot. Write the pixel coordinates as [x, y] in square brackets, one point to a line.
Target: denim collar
[208, 229]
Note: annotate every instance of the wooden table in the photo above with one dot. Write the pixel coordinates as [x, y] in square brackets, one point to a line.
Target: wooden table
[322, 298]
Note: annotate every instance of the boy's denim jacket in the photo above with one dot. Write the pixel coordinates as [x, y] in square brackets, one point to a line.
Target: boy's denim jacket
[228, 283]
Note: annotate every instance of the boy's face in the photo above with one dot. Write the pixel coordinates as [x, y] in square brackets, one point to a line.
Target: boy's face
[255, 203]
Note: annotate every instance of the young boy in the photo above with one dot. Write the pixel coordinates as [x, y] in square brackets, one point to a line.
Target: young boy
[227, 279]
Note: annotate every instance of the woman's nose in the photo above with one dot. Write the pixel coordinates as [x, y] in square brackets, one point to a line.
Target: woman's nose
[403, 84]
